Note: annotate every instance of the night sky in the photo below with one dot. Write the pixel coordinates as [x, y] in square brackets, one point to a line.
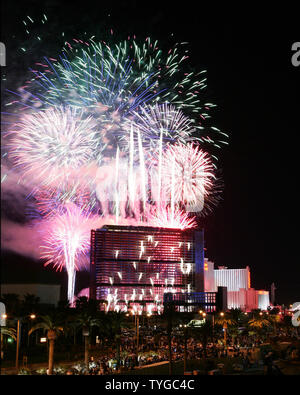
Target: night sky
[247, 54]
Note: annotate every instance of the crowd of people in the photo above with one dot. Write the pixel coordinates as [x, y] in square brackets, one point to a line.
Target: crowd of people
[154, 348]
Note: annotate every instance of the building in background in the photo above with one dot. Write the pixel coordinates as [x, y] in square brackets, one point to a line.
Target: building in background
[273, 299]
[238, 284]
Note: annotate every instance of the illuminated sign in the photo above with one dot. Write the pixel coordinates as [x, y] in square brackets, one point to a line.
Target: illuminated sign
[196, 323]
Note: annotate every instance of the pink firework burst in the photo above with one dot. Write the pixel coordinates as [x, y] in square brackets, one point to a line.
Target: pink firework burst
[166, 217]
[66, 241]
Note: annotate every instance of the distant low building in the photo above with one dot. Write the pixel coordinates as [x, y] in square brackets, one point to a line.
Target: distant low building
[238, 283]
[48, 293]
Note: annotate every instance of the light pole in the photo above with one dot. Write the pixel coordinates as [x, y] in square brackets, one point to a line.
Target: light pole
[225, 330]
[19, 326]
[136, 328]
[185, 346]
[18, 344]
[137, 331]
[213, 329]
[86, 333]
[203, 314]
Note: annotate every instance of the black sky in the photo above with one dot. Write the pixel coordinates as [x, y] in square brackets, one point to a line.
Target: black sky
[247, 53]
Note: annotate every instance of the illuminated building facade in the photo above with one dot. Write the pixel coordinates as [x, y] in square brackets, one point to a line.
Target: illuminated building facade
[134, 267]
[140, 268]
[238, 283]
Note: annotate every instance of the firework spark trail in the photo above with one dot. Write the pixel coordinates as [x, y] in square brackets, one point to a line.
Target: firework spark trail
[159, 165]
[173, 189]
[131, 180]
[117, 196]
[165, 217]
[142, 172]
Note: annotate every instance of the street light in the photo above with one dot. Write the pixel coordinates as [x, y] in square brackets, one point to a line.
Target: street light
[32, 317]
[18, 344]
[213, 328]
[224, 329]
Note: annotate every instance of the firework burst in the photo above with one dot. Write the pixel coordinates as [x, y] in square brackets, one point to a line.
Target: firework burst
[188, 176]
[66, 241]
[56, 147]
[158, 125]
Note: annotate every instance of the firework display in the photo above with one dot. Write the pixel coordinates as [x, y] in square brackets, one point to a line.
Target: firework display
[66, 240]
[112, 133]
[188, 175]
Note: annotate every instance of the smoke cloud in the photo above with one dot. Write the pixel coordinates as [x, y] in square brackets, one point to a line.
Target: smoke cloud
[20, 238]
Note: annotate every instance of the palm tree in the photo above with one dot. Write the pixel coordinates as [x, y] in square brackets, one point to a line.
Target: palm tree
[11, 332]
[259, 322]
[225, 320]
[183, 319]
[169, 315]
[86, 321]
[274, 318]
[53, 327]
[8, 332]
[238, 316]
[116, 321]
[204, 333]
